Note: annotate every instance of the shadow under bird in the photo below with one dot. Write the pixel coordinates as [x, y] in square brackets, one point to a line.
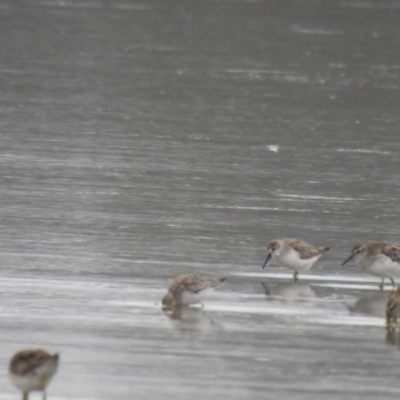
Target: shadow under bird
[377, 258]
[189, 289]
[294, 254]
[32, 370]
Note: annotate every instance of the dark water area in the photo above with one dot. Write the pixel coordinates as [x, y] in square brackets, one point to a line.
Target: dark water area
[141, 140]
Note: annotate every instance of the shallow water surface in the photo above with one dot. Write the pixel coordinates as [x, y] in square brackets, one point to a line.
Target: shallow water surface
[143, 140]
[254, 331]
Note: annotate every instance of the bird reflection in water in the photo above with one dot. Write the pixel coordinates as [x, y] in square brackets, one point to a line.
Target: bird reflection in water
[191, 322]
[393, 318]
[293, 291]
[374, 305]
[393, 335]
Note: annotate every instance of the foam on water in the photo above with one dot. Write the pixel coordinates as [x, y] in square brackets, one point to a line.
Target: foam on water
[363, 151]
[307, 277]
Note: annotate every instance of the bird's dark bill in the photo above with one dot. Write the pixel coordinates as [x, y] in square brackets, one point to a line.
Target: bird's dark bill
[266, 261]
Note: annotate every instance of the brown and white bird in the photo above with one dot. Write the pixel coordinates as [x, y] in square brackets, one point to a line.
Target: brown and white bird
[294, 254]
[32, 370]
[189, 289]
[377, 258]
[393, 307]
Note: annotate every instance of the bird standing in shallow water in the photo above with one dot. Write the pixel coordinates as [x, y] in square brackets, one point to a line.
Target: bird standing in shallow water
[189, 289]
[294, 254]
[393, 307]
[377, 258]
[31, 370]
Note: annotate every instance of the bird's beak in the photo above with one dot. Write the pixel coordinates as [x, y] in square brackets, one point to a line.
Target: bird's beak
[348, 259]
[266, 261]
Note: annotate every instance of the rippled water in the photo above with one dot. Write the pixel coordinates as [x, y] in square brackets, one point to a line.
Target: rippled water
[145, 139]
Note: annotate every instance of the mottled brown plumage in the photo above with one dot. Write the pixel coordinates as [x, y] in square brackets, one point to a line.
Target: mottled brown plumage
[187, 289]
[373, 249]
[27, 360]
[304, 249]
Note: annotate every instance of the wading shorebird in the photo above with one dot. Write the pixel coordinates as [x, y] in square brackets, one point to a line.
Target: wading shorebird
[378, 259]
[294, 254]
[32, 370]
[393, 308]
[189, 289]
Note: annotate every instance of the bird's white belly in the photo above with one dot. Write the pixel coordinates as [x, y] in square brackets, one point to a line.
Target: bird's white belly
[381, 266]
[291, 259]
[189, 297]
[28, 382]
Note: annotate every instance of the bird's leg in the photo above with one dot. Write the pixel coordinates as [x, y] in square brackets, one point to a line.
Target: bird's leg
[381, 284]
[44, 395]
[391, 280]
[25, 396]
[295, 276]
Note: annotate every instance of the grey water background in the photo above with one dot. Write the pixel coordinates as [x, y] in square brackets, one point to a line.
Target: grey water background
[141, 140]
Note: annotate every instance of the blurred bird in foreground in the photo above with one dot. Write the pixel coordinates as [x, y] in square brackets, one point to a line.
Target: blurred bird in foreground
[32, 370]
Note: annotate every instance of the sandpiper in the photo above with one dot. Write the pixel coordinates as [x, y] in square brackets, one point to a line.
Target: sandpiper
[377, 258]
[294, 254]
[189, 289]
[393, 307]
[32, 370]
